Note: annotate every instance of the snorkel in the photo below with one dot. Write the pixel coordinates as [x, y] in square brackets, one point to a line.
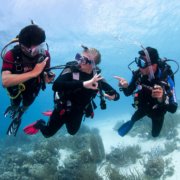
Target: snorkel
[161, 62]
[151, 75]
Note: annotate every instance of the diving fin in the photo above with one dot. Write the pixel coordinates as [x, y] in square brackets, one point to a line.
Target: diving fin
[11, 111]
[13, 127]
[34, 127]
[125, 128]
[47, 113]
[7, 111]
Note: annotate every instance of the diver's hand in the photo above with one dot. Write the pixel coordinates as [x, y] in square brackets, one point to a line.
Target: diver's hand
[157, 92]
[39, 67]
[122, 82]
[92, 83]
[109, 97]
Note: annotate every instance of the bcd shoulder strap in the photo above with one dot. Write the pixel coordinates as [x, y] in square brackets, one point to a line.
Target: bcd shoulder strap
[166, 70]
[17, 55]
[71, 67]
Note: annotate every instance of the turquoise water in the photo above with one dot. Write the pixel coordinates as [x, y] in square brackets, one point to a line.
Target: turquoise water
[116, 27]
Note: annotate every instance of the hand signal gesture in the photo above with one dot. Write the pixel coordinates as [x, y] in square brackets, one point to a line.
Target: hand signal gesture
[122, 82]
[92, 83]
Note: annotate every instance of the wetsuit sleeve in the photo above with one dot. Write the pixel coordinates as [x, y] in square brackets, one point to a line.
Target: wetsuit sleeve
[109, 89]
[170, 97]
[8, 63]
[131, 87]
[65, 83]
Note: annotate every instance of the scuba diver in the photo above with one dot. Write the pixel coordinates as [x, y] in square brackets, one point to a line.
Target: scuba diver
[153, 88]
[74, 91]
[23, 72]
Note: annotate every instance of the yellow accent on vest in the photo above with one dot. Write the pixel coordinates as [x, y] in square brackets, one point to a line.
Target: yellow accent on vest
[21, 88]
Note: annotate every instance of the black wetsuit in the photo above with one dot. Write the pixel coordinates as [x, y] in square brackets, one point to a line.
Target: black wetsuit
[148, 106]
[71, 90]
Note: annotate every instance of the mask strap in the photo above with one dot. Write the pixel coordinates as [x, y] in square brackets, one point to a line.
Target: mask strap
[151, 76]
[94, 68]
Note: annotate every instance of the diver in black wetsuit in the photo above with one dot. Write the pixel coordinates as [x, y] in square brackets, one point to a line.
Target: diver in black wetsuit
[74, 90]
[153, 89]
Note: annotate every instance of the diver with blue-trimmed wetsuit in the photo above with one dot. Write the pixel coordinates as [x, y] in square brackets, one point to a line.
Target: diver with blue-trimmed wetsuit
[153, 88]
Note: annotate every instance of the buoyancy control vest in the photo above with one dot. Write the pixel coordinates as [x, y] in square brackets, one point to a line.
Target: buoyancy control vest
[165, 71]
[60, 99]
[21, 63]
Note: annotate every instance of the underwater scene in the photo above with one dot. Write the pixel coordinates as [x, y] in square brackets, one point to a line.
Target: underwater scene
[111, 143]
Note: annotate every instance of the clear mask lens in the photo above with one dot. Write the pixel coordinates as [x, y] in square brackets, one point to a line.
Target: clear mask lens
[32, 52]
[141, 62]
[40, 49]
[83, 60]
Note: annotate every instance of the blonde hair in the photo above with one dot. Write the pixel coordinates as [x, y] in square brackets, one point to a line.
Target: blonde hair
[95, 53]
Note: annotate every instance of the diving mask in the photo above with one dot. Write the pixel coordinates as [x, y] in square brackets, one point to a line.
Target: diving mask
[34, 50]
[142, 63]
[83, 59]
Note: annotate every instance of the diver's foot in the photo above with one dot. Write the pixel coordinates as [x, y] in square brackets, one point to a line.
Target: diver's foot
[34, 127]
[125, 128]
[13, 127]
